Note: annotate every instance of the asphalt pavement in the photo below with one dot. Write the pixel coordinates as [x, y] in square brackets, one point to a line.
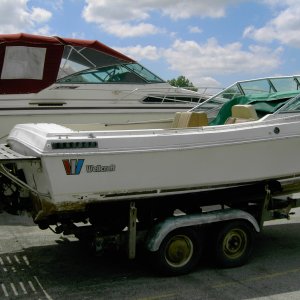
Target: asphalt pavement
[36, 264]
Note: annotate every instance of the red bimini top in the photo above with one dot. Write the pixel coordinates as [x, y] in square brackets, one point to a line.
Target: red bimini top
[29, 63]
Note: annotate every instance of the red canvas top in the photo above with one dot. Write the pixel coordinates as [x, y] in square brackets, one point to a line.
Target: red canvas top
[30, 39]
[53, 50]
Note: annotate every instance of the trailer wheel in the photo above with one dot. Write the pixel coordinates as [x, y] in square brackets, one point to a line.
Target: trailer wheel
[234, 243]
[179, 252]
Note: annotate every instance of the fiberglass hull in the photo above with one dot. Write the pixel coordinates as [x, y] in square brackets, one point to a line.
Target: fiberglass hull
[141, 164]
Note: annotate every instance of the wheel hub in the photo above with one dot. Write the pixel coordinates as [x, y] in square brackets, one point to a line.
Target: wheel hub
[179, 251]
[235, 243]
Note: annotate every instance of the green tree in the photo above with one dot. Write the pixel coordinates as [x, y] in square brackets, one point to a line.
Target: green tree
[182, 81]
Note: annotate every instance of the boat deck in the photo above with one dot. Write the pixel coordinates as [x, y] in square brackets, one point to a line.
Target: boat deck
[7, 155]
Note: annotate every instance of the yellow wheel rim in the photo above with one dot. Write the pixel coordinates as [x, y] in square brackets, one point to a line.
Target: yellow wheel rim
[235, 243]
[179, 251]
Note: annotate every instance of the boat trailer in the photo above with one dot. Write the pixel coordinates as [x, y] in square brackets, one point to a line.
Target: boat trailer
[175, 242]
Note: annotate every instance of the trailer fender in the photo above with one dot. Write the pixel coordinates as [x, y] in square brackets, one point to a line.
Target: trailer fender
[157, 234]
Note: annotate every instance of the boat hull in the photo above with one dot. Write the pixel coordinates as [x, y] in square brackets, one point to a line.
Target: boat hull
[123, 165]
[115, 174]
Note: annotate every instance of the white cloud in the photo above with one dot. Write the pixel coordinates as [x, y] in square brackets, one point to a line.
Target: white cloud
[185, 9]
[195, 29]
[140, 52]
[44, 30]
[202, 62]
[278, 3]
[40, 15]
[53, 5]
[211, 59]
[207, 85]
[130, 17]
[123, 30]
[21, 18]
[284, 27]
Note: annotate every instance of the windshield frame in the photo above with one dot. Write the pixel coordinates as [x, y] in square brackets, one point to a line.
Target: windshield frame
[288, 107]
[213, 104]
[133, 73]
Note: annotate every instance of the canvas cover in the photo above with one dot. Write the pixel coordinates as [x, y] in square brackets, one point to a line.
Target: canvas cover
[30, 63]
[263, 103]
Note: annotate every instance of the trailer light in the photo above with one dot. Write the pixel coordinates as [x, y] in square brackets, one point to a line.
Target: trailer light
[74, 145]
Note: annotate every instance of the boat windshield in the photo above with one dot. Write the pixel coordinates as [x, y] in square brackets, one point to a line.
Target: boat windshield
[292, 106]
[266, 94]
[84, 65]
[122, 73]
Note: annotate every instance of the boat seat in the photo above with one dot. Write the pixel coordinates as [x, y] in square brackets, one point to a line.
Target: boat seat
[190, 119]
[242, 113]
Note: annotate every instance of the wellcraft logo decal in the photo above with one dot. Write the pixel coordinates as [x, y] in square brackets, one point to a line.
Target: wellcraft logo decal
[73, 166]
[100, 168]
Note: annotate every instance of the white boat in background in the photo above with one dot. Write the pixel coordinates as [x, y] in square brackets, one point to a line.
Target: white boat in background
[54, 79]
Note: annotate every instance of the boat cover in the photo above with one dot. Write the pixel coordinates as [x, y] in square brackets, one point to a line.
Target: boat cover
[263, 103]
[30, 63]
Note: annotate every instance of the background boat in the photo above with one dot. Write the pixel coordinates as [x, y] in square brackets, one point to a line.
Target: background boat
[54, 79]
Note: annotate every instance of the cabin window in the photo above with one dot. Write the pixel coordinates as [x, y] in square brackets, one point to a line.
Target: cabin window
[22, 62]
[168, 99]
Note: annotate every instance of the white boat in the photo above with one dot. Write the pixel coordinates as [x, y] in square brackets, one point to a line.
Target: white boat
[54, 79]
[74, 167]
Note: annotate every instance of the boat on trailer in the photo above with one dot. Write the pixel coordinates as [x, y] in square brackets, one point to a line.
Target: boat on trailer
[156, 181]
[65, 80]
[78, 165]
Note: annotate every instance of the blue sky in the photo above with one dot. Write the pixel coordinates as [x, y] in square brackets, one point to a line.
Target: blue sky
[211, 42]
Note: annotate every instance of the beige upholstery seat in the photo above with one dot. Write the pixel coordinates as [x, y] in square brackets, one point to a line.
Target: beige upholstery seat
[242, 113]
[190, 119]
[176, 120]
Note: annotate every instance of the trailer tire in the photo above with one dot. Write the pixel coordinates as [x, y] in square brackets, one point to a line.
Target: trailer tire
[234, 244]
[179, 252]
